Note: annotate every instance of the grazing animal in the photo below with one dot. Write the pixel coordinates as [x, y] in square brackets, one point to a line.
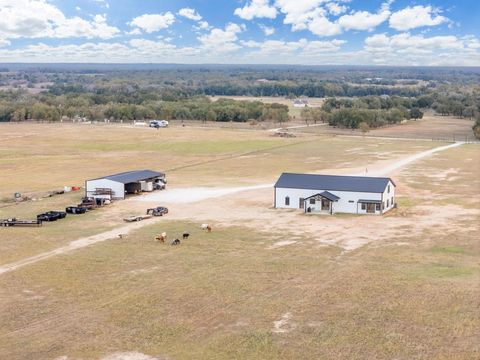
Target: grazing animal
[207, 227]
[175, 242]
[122, 236]
[185, 235]
[162, 237]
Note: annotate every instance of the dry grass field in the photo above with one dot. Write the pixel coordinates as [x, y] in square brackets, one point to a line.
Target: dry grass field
[265, 284]
[430, 127]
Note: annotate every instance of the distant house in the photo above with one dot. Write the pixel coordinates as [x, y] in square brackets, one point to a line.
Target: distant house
[300, 103]
[330, 194]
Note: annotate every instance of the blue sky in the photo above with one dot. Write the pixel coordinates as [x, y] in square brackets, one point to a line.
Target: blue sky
[384, 32]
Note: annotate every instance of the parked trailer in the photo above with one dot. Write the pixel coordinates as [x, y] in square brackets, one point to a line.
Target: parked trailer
[137, 218]
[16, 222]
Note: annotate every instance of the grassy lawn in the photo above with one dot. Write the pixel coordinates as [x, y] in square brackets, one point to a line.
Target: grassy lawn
[221, 293]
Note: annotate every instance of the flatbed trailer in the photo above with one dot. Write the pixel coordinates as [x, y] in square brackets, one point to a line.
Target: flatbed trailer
[137, 218]
[16, 222]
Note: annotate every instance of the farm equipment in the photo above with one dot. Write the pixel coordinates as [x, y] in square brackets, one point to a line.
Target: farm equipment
[87, 203]
[158, 211]
[16, 222]
[51, 216]
[137, 218]
[75, 210]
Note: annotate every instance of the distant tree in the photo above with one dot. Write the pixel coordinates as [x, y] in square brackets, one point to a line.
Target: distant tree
[364, 128]
[415, 113]
[476, 126]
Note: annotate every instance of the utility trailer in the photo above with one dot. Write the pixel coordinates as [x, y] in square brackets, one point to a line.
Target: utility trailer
[137, 218]
[17, 222]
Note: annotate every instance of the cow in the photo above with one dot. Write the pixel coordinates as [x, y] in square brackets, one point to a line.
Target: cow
[162, 237]
[207, 227]
[175, 242]
[122, 236]
[185, 235]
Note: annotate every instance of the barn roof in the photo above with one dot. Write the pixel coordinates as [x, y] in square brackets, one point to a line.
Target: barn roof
[132, 176]
[333, 182]
[326, 195]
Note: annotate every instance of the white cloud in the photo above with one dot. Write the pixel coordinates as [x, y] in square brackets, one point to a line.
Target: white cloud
[322, 26]
[364, 20]
[335, 8]
[190, 14]
[400, 49]
[267, 30]
[4, 42]
[386, 46]
[257, 9]
[299, 12]
[222, 40]
[416, 16]
[203, 25]
[153, 22]
[39, 18]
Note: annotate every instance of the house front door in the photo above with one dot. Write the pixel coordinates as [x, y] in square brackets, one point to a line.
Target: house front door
[370, 208]
[325, 204]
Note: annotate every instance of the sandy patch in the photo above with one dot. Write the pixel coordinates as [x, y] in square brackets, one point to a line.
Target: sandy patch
[283, 325]
[196, 194]
[129, 356]
[279, 244]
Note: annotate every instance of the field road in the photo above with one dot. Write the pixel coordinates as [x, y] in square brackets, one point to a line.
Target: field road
[296, 127]
[180, 196]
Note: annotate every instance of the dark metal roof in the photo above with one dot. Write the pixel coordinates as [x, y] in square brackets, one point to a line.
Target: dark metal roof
[333, 182]
[329, 196]
[132, 176]
[326, 195]
[370, 201]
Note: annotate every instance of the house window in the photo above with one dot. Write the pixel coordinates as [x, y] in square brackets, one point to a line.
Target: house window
[301, 203]
[364, 206]
[351, 201]
[388, 204]
[287, 201]
[389, 189]
[377, 207]
[312, 201]
[392, 201]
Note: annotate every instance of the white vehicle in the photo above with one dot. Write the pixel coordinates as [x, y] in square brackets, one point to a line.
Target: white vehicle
[158, 123]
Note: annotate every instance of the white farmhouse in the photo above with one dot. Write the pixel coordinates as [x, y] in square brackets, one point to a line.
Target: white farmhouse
[330, 194]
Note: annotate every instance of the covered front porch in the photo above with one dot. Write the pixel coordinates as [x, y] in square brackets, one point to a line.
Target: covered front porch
[369, 207]
[321, 203]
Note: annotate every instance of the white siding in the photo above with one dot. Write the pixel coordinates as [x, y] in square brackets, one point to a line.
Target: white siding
[117, 188]
[389, 195]
[348, 202]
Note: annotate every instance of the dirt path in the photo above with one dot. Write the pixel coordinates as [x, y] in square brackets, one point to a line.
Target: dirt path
[77, 244]
[191, 196]
[296, 127]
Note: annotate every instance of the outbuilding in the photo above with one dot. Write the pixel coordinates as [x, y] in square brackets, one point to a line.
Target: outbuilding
[116, 186]
[330, 194]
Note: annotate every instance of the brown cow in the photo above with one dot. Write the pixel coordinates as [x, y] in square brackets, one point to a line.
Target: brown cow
[161, 237]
